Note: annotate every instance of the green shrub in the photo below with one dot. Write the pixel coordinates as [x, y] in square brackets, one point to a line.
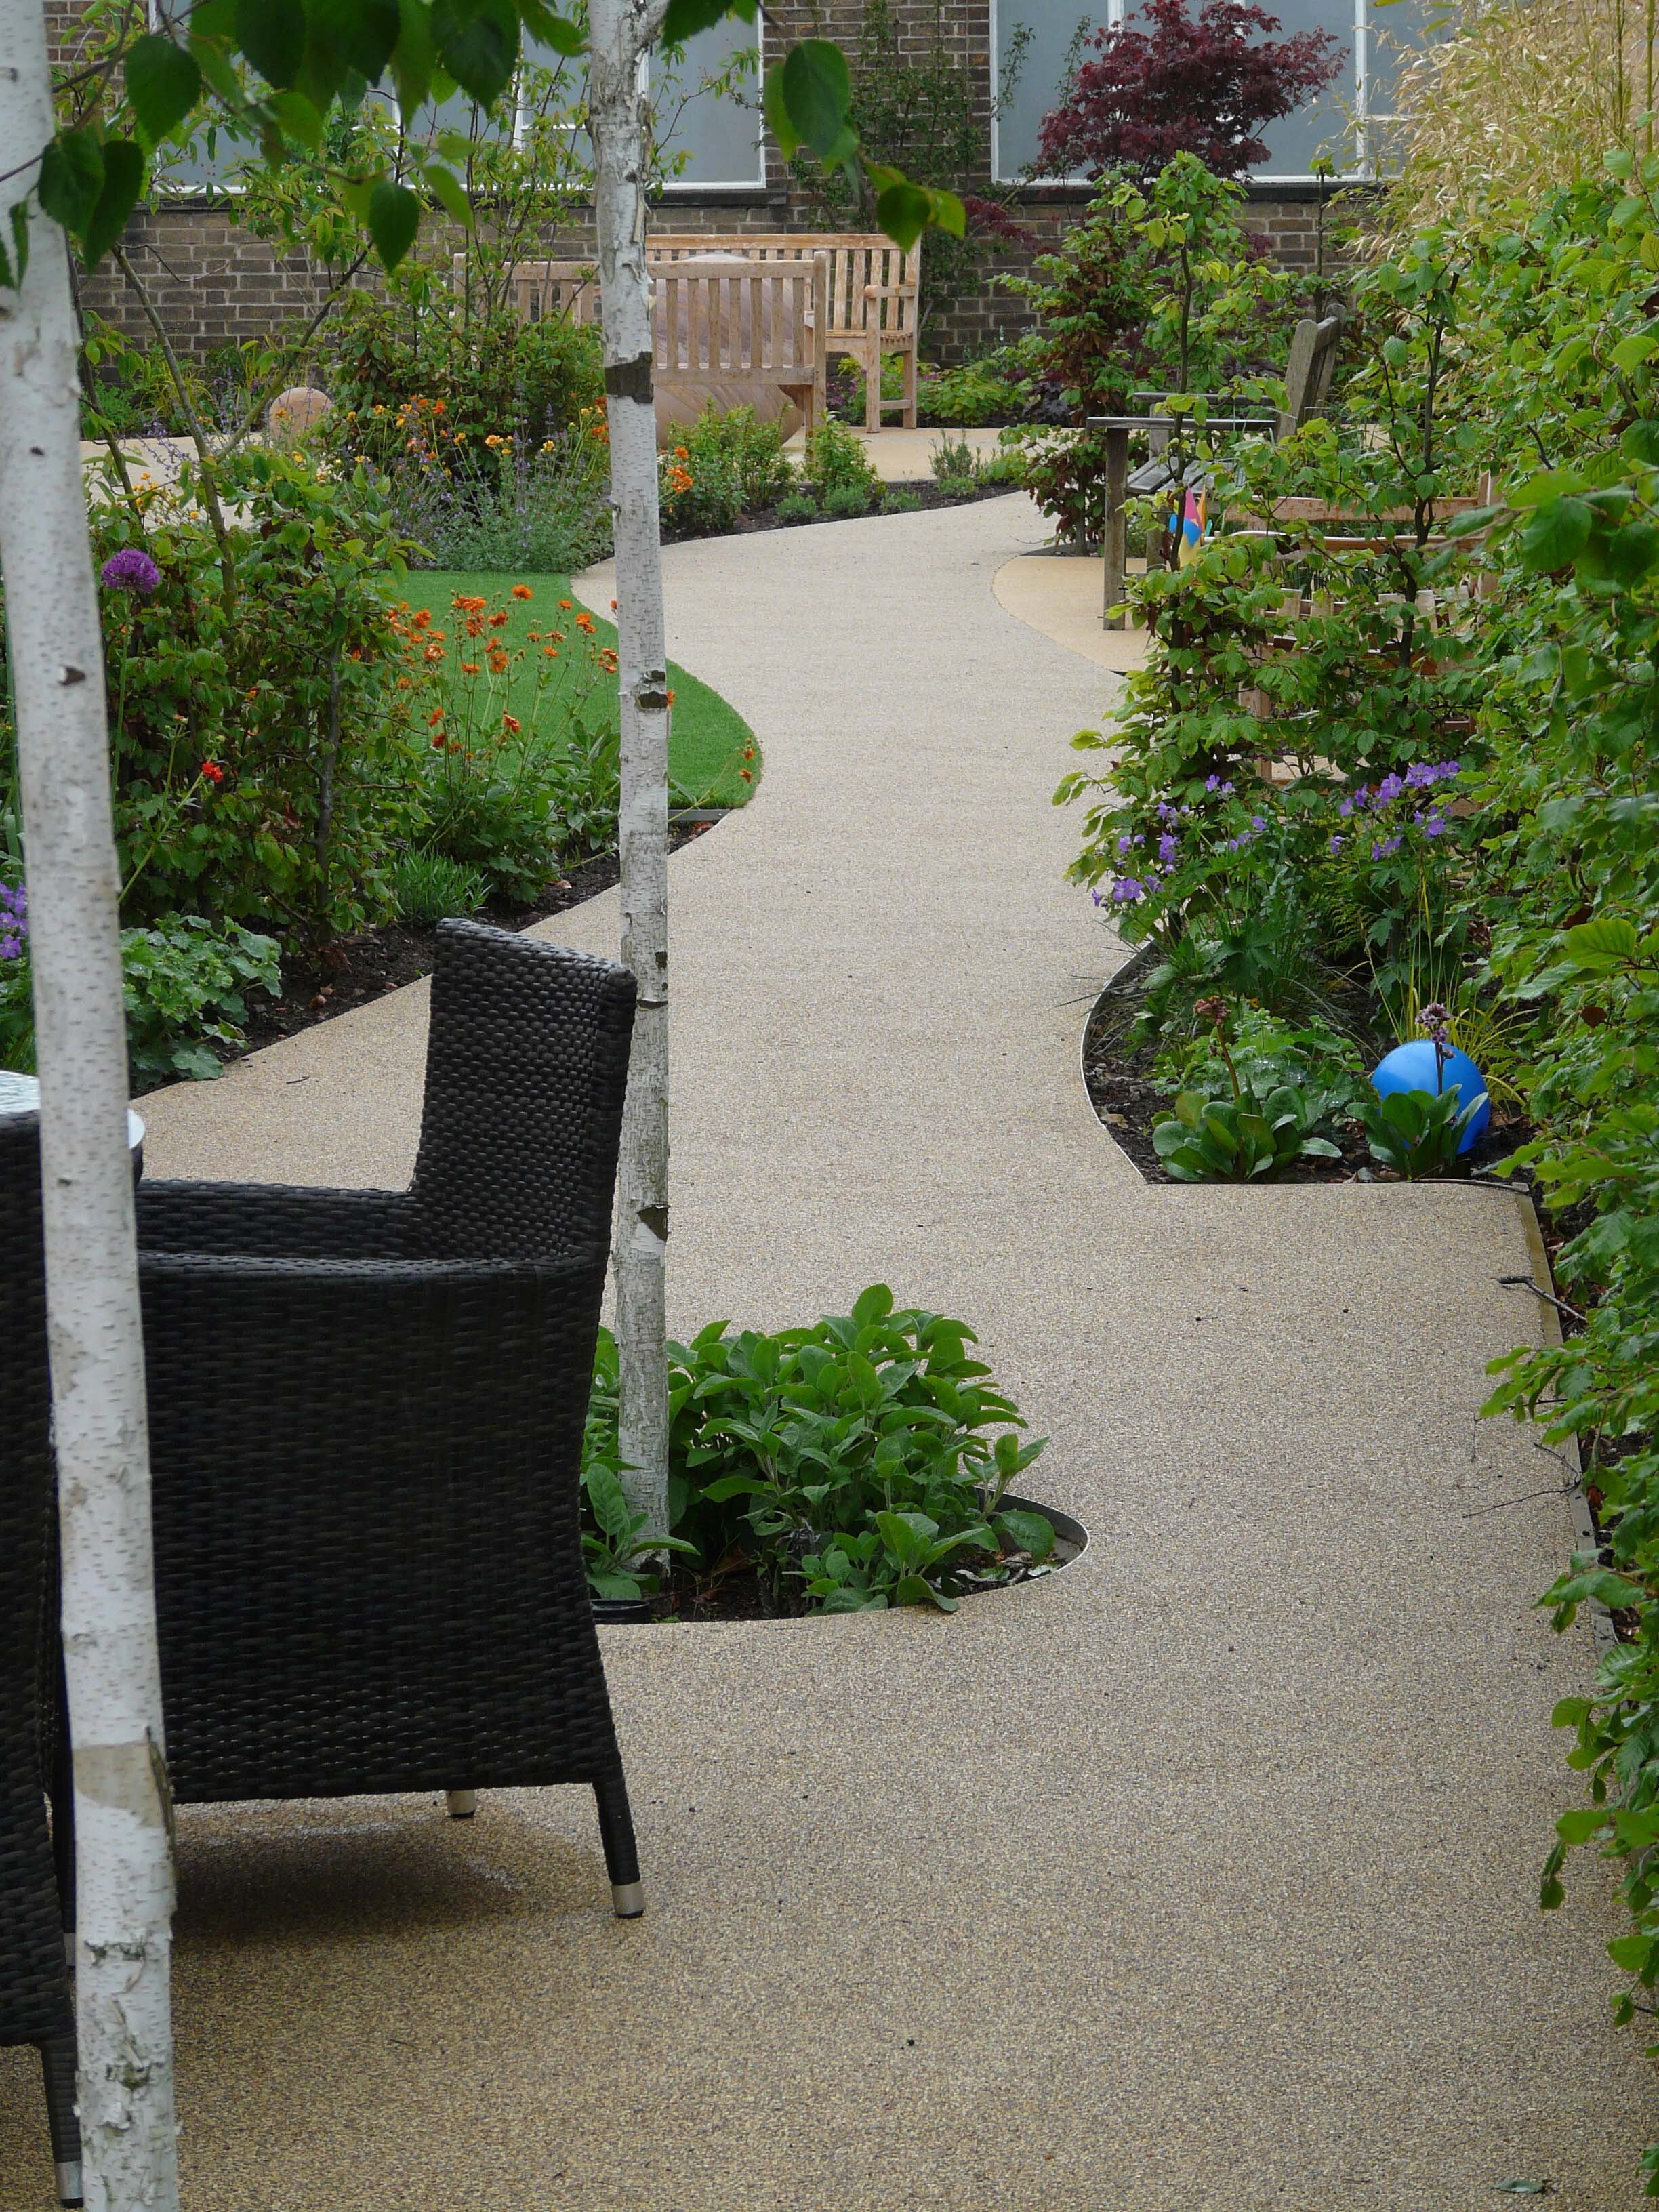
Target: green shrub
[428, 886]
[896, 500]
[545, 511]
[726, 466]
[1265, 1054]
[855, 1465]
[261, 743]
[976, 396]
[185, 982]
[835, 460]
[489, 376]
[843, 500]
[1238, 1138]
[1418, 1133]
[798, 506]
[952, 458]
[958, 487]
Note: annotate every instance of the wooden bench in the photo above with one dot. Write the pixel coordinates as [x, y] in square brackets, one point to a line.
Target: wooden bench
[729, 330]
[873, 297]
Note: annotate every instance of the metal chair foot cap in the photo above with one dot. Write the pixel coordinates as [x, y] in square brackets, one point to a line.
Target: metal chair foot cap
[627, 1897]
[69, 2183]
[462, 1803]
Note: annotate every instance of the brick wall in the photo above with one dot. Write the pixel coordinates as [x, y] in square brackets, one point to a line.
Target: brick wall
[214, 283]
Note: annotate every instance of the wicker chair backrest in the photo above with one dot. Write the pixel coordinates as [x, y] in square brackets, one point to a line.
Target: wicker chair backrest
[33, 1991]
[525, 1071]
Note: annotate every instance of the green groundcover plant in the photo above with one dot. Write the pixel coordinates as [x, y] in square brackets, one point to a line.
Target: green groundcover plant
[854, 1465]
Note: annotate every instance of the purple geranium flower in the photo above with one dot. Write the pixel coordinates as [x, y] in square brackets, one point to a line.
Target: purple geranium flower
[1389, 790]
[1336, 844]
[1167, 848]
[131, 569]
[1435, 826]
[1126, 890]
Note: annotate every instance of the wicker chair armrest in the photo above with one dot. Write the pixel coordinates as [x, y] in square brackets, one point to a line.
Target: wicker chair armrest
[271, 1220]
[340, 1280]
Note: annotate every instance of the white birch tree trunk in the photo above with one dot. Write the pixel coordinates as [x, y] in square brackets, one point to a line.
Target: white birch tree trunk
[622, 32]
[123, 1856]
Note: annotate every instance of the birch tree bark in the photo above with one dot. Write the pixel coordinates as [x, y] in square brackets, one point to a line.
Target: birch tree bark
[622, 32]
[123, 1856]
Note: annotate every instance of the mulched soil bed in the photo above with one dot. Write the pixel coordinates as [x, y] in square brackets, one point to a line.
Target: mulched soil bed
[768, 518]
[371, 962]
[1128, 1101]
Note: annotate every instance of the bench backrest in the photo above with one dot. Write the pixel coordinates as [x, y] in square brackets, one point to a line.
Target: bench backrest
[735, 324]
[870, 281]
[1308, 371]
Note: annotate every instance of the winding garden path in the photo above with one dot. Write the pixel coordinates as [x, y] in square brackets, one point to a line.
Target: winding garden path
[1202, 1875]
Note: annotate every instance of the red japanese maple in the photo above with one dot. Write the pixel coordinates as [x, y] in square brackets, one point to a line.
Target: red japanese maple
[1202, 85]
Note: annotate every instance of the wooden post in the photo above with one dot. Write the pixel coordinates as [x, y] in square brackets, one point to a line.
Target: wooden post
[1117, 481]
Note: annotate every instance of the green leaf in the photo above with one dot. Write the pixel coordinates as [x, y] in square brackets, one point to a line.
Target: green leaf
[124, 179]
[213, 59]
[363, 32]
[272, 34]
[71, 178]
[394, 217]
[1630, 353]
[163, 83]
[949, 214]
[904, 212]
[1557, 534]
[477, 42]
[1569, 1711]
[776, 109]
[1580, 1825]
[1632, 1953]
[1600, 945]
[548, 29]
[911, 1589]
[412, 57]
[817, 90]
[298, 118]
[687, 17]
[450, 193]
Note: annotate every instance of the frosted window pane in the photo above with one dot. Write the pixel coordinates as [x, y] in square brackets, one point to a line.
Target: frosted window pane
[1323, 126]
[1053, 25]
[720, 134]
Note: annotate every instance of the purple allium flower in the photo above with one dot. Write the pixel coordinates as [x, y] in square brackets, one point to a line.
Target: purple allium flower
[1167, 848]
[131, 569]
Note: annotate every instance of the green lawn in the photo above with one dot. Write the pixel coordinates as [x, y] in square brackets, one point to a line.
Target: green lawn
[707, 738]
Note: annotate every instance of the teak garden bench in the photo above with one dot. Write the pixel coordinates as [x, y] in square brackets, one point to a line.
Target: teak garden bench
[729, 330]
[873, 288]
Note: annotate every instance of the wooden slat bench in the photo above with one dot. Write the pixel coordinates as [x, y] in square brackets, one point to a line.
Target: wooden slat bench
[730, 331]
[873, 288]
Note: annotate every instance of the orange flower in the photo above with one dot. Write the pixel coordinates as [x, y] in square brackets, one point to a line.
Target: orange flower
[510, 722]
[437, 406]
[608, 659]
[566, 605]
[474, 626]
[434, 718]
[558, 637]
[670, 697]
[551, 651]
[470, 668]
[498, 618]
[434, 652]
[585, 622]
[423, 618]
[522, 591]
[471, 606]
[439, 741]
[613, 606]
[746, 774]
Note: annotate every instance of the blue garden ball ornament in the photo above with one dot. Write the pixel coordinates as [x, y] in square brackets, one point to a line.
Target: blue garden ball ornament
[1412, 1067]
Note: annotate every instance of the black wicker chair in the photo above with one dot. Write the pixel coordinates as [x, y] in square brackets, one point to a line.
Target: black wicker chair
[366, 1422]
[36, 2002]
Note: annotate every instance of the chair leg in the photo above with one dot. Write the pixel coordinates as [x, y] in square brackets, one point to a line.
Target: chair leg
[911, 370]
[873, 389]
[462, 1803]
[61, 1791]
[622, 1858]
[57, 2069]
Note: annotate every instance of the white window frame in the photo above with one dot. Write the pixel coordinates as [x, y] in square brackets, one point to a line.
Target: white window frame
[1365, 168]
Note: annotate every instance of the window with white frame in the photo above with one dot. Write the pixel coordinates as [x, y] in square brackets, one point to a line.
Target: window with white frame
[1037, 43]
[706, 98]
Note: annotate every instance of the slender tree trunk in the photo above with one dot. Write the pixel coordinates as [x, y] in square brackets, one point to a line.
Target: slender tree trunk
[622, 32]
[124, 1861]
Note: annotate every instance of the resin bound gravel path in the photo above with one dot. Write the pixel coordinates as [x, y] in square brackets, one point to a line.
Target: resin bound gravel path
[1201, 1875]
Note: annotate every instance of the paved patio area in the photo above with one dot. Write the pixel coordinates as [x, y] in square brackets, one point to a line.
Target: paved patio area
[1201, 1875]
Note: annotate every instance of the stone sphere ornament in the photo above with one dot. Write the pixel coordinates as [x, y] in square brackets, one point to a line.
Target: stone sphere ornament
[293, 412]
[1411, 1067]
